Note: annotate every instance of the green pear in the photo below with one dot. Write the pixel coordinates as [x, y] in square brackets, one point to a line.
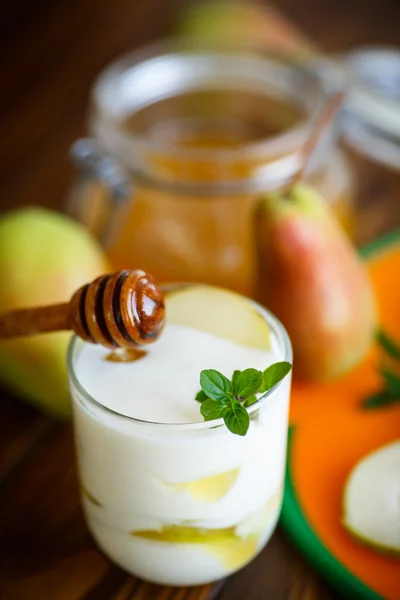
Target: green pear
[44, 258]
[311, 277]
[371, 507]
[241, 24]
[213, 310]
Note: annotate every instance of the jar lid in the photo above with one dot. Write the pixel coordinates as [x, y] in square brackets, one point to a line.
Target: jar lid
[371, 115]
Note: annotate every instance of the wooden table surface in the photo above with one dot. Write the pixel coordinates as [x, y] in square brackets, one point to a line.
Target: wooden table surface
[51, 51]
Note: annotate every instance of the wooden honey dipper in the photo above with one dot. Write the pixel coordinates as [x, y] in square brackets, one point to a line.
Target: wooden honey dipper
[122, 310]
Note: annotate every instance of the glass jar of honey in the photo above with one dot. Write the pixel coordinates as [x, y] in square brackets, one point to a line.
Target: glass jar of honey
[184, 143]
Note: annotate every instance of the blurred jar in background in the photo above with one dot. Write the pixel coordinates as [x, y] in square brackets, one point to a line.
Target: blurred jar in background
[370, 121]
[184, 142]
[370, 130]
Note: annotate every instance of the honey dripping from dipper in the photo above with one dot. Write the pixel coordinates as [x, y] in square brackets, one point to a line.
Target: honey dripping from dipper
[124, 310]
[124, 355]
[117, 301]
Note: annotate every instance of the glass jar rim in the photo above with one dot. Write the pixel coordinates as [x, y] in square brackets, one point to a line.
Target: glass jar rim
[371, 115]
[276, 328]
[172, 58]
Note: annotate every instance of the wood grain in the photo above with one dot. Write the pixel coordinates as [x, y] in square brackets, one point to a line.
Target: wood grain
[51, 52]
[21, 428]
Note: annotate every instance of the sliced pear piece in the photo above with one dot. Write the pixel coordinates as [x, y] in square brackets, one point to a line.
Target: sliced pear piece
[371, 500]
[220, 312]
[251, 527]
[234, 546]
[224, 544]
[208, 489]
[89, 496]
[259, 521]
[234, 553]
[184, 534]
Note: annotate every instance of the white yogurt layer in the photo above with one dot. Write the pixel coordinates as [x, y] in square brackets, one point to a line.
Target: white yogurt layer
[161, 386]
[171, 503]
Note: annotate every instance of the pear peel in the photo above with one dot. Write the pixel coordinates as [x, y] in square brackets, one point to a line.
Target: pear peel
[45, 257]
[312, 278]
[219, 312]
[371, 500]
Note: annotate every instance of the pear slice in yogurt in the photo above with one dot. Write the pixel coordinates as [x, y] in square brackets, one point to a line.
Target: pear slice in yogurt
[258, 521]
[231, 550]
[208, 489]
[220, 312]
[371, 500]
[89, 496]
[187, 534]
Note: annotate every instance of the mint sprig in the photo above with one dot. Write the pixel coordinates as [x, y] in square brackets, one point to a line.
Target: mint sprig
[237, 418]
[390, 390]
[228, 399]
[273, 374]
[247, 383]
[388, 345]
[210, 409]
[215, 385]
[201, 396]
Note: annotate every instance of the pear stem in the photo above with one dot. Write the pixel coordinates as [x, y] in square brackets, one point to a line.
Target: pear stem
[323, 122]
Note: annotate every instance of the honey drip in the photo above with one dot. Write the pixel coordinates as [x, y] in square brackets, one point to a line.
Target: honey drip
[124, 355]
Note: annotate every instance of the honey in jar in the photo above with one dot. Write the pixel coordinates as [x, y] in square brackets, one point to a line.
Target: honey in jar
[199, 136]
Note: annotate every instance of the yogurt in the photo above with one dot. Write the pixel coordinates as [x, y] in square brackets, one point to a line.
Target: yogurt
[168, 497]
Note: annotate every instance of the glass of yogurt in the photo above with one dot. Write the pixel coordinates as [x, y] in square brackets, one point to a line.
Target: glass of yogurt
[171, 498]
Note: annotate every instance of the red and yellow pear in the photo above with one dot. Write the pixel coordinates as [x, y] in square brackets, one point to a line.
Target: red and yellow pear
[312, 278]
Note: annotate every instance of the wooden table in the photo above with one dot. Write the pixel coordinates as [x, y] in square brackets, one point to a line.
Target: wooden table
[51, 51]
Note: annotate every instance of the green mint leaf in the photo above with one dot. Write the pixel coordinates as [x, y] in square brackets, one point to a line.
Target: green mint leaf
[234, 378]
[215, 385]
[274, 374]
[247, 383]
[250, 401]
[236, 418]
[201, 396]
[210, 409]
[392, 383]
[379, 400]
[390, 347]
